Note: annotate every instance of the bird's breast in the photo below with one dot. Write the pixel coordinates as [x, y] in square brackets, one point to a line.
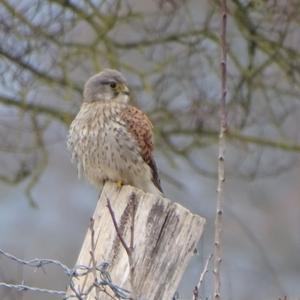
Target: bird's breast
[101, 144]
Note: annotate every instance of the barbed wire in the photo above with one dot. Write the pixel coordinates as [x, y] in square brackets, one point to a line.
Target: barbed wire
[102, 282]
[24, 288]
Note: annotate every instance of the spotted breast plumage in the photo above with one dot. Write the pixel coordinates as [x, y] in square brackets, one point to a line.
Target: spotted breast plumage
[110, 139]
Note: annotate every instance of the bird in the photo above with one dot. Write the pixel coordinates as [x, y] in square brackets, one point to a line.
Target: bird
[111, 140]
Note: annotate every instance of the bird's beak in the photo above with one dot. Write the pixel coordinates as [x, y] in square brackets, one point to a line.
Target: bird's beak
[123, 89]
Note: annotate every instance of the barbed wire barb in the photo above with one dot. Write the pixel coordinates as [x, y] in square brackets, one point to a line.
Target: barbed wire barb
[102, 281]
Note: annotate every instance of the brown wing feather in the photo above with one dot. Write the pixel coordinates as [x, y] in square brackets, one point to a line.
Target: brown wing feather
[141, 127]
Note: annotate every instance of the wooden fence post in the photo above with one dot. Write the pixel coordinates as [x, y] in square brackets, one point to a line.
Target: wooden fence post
[163, 237]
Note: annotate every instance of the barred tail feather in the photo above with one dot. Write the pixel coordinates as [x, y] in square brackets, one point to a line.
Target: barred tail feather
[155, 175]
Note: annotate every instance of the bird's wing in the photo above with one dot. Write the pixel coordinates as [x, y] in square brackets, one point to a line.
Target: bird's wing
[141, 127]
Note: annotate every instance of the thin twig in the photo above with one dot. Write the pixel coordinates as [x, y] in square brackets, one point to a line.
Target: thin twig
[221, 172]
[113, 217]
[129, 250]
[196, 292]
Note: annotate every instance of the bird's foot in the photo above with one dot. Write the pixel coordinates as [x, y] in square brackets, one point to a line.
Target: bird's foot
[119, 183]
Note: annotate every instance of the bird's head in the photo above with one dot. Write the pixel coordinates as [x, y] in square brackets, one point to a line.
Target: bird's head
[106, 86]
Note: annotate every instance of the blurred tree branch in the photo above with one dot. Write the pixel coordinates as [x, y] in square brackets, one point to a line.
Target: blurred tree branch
[50, 47]
[63, 117]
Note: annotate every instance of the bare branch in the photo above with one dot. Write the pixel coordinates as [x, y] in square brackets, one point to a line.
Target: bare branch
[221, 157]
[41, 74]
[129, 249]
[63, 117]
[113, 217]
[197, 289]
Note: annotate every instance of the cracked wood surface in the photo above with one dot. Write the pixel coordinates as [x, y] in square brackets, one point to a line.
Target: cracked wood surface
[165, 236]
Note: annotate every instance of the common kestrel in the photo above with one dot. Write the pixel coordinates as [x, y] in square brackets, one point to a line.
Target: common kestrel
[110, 139]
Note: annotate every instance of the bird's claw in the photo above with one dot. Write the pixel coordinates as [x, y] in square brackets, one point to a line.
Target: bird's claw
[119, 183]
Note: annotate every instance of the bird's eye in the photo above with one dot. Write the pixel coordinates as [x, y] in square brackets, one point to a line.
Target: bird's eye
[113, 85]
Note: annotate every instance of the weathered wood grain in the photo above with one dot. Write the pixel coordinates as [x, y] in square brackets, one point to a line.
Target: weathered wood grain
[165, 235]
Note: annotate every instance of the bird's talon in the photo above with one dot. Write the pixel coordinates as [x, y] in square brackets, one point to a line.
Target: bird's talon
[119, 183]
